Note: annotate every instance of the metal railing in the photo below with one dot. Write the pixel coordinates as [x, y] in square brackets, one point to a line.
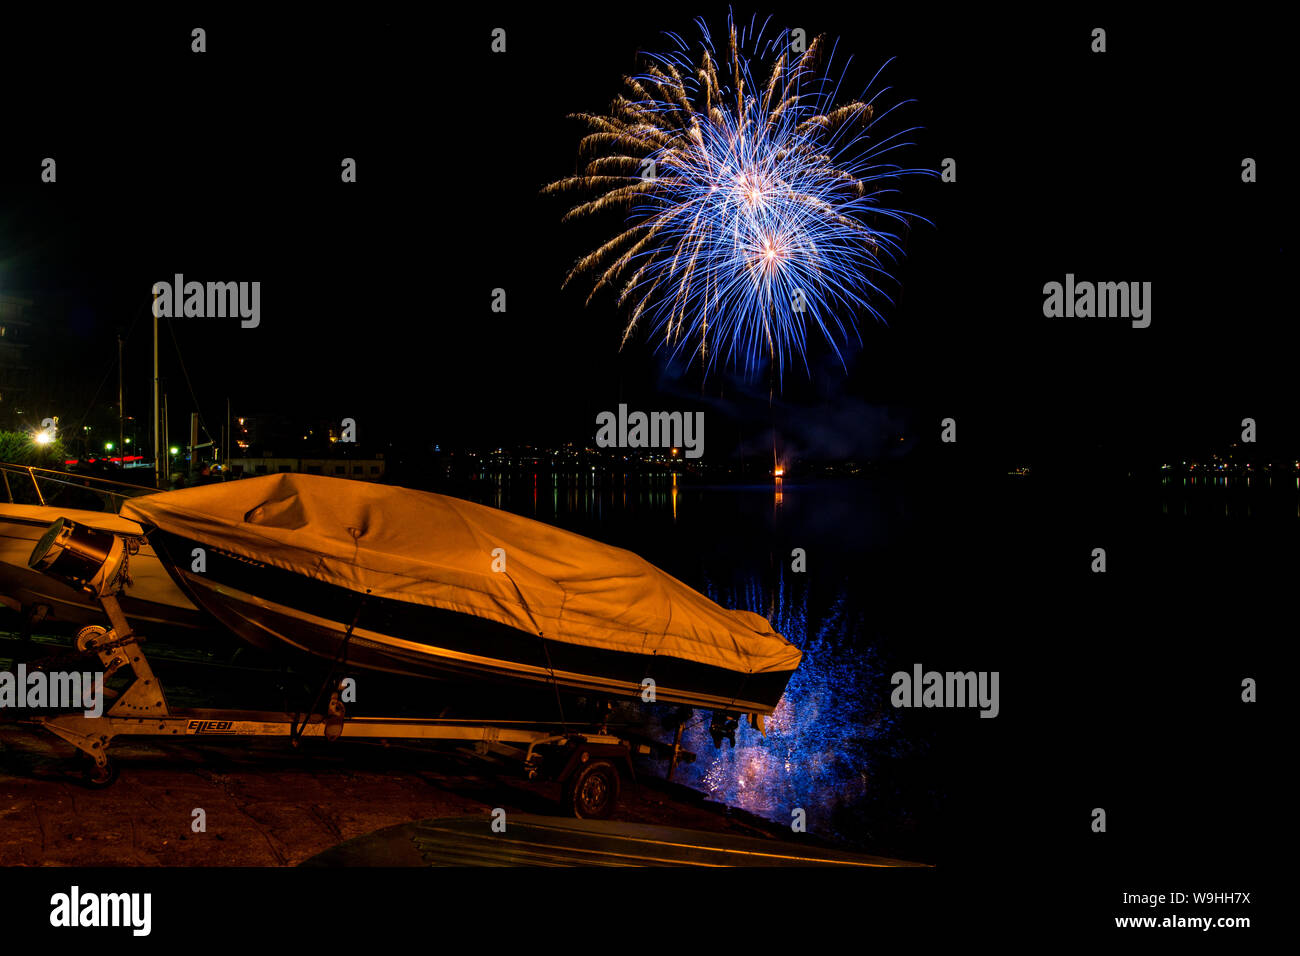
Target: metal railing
[23, 483]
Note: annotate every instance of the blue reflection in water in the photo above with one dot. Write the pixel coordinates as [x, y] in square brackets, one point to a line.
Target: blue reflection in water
[834, 747]
[830, 729]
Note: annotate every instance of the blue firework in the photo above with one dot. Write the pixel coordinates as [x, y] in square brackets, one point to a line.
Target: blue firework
[756, 214]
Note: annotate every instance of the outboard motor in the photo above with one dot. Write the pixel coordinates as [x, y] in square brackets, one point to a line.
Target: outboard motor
[85, 558]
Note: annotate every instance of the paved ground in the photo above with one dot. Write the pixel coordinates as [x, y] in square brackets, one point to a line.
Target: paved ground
[530, 840]
[266, 805]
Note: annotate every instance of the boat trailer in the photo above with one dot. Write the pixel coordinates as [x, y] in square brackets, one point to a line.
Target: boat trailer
[588, 763]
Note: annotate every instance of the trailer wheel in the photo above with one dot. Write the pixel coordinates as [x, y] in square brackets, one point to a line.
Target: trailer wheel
[592, 792]
[93, 775]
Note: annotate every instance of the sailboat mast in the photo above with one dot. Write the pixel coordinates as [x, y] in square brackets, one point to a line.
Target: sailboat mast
[121, 408]
[157, 444]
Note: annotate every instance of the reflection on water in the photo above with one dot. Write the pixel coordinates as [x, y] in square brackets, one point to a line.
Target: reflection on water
[1230, 496]
[833, 747]
[548, 495]
[863, 772]
[822, 743]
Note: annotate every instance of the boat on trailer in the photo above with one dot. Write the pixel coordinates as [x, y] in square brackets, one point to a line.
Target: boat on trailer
[151, 598]
[388, 579]
[415, 583]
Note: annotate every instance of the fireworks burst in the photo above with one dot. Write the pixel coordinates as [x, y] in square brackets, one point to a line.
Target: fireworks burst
[754, 212]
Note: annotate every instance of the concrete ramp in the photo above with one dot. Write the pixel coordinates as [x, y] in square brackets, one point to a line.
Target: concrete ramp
[531, 840]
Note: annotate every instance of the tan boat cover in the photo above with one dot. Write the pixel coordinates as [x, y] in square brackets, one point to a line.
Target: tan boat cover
[430, 549]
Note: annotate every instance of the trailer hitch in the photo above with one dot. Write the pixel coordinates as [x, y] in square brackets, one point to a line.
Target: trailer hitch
[723, 727]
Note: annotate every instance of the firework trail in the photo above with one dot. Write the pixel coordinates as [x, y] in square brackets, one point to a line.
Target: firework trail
[754, 213]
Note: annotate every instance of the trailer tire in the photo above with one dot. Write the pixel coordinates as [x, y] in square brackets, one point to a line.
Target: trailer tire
[95, 777]
[592, 792]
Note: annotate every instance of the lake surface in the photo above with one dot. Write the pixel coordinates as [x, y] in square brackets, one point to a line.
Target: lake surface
[952, 574]
[834, 749]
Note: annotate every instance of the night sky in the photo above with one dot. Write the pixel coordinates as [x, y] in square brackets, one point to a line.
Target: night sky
[1122, 166]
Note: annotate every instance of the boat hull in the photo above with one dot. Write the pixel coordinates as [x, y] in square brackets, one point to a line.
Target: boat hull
[278, 610]
[153, 599]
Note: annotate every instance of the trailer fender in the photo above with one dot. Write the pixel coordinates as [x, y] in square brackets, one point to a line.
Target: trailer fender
[581, 752]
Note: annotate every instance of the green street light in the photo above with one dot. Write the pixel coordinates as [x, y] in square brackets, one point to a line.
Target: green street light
[175, 451]
[108, 446]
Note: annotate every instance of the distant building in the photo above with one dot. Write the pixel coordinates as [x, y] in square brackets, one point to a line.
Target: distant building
[365, 469]
[264, 434]
[274, 434]
[34, 341]
[15, 376]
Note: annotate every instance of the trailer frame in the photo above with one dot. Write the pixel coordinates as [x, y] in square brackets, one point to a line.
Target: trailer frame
[588, 761]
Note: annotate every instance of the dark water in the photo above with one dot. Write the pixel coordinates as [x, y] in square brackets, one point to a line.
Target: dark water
[1231, 496]
[834, 748]
[983, 573]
